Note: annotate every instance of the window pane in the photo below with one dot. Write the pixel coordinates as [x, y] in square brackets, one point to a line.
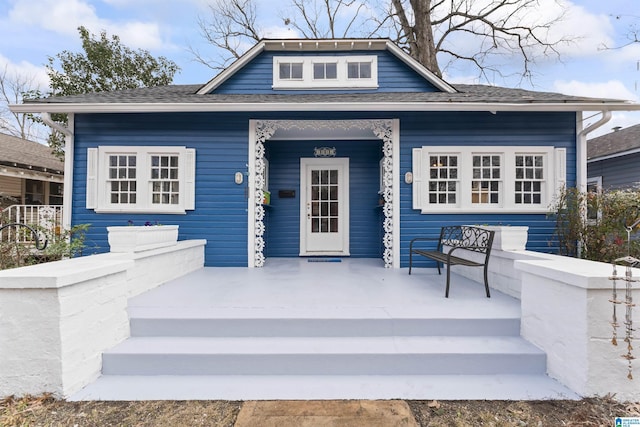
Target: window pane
[331, 71]
[353, 70]
[365, 70]
[285, 70]
[334, 192]
[333, 176]
[318, 71]
[296, 71]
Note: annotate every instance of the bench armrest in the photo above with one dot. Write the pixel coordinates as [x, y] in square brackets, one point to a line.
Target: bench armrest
[422, 239]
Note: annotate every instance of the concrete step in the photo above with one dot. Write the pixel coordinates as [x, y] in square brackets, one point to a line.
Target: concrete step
[305, 327]
[337, 322]
[304, 387]
[393, 355]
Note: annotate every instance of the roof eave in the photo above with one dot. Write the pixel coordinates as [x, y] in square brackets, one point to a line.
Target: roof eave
[614, 155]
[319, 106]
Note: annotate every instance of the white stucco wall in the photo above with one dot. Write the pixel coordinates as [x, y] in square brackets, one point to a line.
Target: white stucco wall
[566, 312]
[56, 319]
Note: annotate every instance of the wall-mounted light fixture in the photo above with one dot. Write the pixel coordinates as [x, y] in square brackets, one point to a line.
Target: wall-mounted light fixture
[239, 178]
[408, 177]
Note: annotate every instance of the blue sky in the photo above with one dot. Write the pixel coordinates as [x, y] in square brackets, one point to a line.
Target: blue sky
[32, 30]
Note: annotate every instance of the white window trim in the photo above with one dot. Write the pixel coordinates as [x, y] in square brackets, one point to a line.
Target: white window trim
[341, 82]
[554, 178]
[97, 197]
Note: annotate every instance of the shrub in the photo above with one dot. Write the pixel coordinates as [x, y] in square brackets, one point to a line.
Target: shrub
[593, 225]
[67, 244]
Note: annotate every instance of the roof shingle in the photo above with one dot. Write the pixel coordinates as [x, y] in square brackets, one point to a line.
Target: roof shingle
[615, 142]
[187, 94]
[23, 152]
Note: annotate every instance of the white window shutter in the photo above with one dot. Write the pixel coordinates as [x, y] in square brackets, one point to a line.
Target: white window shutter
[92, 178]
[560, 167]
[190, 179]
[417, 178]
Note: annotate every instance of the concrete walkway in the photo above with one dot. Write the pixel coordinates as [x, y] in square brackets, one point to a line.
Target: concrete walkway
[335, 413]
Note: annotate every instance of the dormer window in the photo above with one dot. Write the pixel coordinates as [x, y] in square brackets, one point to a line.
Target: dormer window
[290, 70]
[325, 72]
[359, 70]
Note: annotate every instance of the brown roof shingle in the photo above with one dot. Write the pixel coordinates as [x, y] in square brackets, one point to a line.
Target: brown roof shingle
[23, 153]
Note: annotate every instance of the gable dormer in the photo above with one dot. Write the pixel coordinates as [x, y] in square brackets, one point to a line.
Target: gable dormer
[325, 66]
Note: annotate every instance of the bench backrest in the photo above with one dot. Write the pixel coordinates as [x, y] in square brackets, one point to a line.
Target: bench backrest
[472, 238]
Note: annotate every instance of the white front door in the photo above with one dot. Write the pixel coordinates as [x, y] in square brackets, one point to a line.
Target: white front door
[324, 206]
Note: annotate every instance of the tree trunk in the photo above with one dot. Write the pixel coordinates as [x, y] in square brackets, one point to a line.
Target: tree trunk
[424, 49]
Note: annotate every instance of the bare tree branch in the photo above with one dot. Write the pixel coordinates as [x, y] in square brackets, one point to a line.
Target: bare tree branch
[13, 88]
[231, 27]
[437, 33]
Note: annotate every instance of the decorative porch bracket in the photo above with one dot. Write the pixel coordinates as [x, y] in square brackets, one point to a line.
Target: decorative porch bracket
[381, 129]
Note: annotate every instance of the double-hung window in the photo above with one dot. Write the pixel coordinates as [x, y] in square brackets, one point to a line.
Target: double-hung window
[486, 179]
[140, 179]
[325, 70]
[359, 70]
[290, 70]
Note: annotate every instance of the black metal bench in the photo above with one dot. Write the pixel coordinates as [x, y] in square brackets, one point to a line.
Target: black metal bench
[469, 238]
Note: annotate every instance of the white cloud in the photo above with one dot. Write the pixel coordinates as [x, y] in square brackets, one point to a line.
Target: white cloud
[589, 32]
[25, 71]
[612, 89]
[65, 16]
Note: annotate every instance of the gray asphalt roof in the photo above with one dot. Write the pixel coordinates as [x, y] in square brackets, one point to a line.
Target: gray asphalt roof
[615, 142]
[187, 94]
[26, 153]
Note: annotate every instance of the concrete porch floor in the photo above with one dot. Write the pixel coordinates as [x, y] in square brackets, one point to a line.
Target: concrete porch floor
[300, 284]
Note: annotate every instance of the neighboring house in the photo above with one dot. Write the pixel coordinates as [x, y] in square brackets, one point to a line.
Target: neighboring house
[31, 188]
[613, 160]
[355, 147]
[29, 173]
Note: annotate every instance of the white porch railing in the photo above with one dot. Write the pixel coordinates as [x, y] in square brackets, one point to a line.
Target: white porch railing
[44, 218]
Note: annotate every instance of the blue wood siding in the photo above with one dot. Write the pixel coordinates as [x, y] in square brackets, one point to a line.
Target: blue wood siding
[256, 77]
[481, 129]
[221, 151]
[617, 173]
[220, 140]
[283, 221]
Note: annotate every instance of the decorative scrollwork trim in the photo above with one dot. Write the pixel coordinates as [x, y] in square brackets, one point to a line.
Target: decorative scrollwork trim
[380, 128]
